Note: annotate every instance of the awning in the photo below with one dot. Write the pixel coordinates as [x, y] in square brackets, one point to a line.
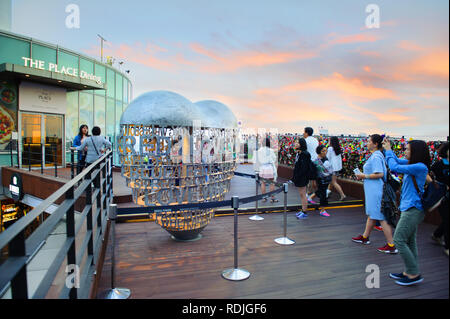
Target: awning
[71, 83]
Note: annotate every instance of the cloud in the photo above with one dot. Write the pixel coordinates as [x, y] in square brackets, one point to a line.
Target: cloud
[346, 87]
[198, 57]
[434, 63]
[350, 39]
[219, 61]
[389, 116]
[148, 54]
[410, 46]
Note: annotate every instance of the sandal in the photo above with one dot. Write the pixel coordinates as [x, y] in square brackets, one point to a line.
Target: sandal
[274, 200]
[264, 200]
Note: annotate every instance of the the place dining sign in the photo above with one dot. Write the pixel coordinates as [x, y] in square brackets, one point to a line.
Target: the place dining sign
[66, 70]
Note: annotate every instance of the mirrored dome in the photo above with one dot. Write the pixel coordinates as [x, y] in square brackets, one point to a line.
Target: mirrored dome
[161, 108]
[216, 115]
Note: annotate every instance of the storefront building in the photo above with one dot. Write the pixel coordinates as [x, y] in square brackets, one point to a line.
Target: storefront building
[46, 93]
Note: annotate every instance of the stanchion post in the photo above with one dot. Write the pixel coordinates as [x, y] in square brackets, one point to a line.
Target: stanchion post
[235, 274]
[55, 159]
[114, 293]
[42, 161]
[72, 157]
[256, 216]
[29, 158]
[285, 240]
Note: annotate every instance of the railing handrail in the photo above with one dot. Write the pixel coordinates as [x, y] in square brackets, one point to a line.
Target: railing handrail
[22, 223]
[13, 272]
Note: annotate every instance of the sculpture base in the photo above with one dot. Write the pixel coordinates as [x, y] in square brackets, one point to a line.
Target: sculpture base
[186, 235]
[199, 236]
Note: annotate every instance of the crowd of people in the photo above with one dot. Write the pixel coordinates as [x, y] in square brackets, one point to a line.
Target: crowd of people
[317, 162]
[374, 160]
[354, 152]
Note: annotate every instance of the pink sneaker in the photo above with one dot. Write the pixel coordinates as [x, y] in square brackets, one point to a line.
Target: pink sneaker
[311, 201]
[324, 214]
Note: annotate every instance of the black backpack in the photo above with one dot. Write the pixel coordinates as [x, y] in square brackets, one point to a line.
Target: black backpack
[389, 206]
[433, 194]
[312, 170]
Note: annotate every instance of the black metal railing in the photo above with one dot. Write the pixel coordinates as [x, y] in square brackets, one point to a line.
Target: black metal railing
[95, 182]
[33, 159]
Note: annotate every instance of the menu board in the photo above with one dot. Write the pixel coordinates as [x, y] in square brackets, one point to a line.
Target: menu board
[8, 113]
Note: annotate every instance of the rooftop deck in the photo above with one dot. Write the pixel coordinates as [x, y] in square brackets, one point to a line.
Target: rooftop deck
[323, 262]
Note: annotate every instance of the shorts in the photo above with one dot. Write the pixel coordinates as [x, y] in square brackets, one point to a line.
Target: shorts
[337, 173]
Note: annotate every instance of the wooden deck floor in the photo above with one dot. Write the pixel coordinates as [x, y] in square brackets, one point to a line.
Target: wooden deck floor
[323, 263]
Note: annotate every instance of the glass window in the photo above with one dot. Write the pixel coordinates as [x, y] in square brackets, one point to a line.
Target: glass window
[72, 116]
[119, 87]
[110, 82]
[68, 60]
[118, 115]
[110, 112]
[12, 50]
[44, 53]
[87, 110]
[99, 118]
[100, 71]
[130, 91]
[86, 69]
[125, 90]
[86, 66]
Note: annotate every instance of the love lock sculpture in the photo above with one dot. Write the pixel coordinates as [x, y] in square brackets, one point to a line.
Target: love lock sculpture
[173, 152]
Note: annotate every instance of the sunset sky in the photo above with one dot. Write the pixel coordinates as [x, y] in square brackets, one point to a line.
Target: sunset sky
[277, 64]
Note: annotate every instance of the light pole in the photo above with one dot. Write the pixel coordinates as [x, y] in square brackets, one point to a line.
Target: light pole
[101, 50]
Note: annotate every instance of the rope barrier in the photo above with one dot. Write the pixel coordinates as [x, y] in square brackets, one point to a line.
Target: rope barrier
[205, 205]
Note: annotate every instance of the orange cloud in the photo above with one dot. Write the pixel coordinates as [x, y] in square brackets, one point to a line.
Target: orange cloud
[410, 46]
[435, 63]
[353, 38]
[136, 53]
[352, 88]
[387, 116]
[223, 62]
[431, 107]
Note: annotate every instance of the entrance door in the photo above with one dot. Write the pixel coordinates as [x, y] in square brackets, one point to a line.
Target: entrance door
[42, 136]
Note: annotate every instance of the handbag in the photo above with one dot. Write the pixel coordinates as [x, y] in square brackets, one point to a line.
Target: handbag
[432, 195]
[389, 207]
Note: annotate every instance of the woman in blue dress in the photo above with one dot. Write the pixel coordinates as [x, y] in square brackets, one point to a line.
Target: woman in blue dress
[373, 175]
